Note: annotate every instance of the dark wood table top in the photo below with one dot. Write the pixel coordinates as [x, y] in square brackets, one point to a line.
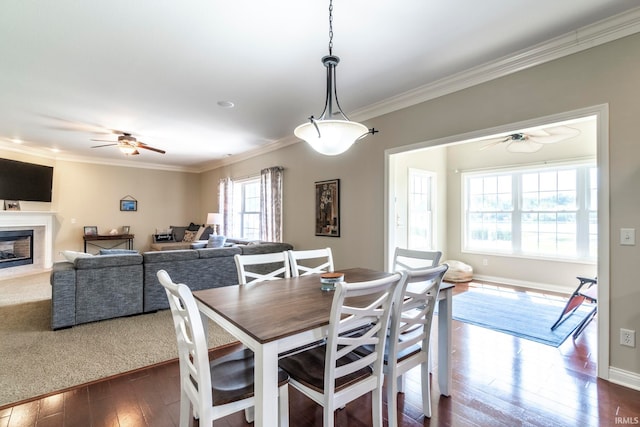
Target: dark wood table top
[271, 310]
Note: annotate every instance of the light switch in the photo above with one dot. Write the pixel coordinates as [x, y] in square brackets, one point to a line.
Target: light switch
[628, 236]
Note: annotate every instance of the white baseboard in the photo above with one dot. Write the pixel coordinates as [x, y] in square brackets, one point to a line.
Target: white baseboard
[524, 284]
[624, 378]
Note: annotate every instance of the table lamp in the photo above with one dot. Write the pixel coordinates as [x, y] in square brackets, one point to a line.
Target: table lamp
[214, 219]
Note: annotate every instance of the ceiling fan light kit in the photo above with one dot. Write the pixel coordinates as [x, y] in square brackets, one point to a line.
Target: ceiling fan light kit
[326, 135]
[128, 145]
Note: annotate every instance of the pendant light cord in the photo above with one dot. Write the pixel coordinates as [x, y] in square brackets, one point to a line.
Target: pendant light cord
[331, 27]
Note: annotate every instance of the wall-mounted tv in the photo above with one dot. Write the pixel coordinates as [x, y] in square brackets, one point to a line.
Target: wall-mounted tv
[25, 181]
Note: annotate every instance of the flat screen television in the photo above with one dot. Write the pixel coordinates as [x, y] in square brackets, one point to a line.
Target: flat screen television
[25, 181]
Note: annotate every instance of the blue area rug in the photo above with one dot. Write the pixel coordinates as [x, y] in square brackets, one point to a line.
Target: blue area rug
[518, 314]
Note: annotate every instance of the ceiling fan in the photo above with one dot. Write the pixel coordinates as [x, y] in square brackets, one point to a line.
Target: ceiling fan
[128, 145]
[532, 141]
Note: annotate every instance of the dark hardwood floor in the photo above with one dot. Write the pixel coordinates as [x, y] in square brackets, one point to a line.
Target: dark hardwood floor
[498, 380]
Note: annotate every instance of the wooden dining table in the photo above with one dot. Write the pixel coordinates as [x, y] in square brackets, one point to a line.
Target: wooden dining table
[273, 317]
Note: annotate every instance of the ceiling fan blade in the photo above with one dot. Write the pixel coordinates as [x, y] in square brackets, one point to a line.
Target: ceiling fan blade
[553, 134]
[103, 140]
[148, 147]
[494, 143]
[524, 146]
[105, 145]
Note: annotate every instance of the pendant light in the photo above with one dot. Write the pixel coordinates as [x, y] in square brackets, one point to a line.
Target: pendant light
[325, 134]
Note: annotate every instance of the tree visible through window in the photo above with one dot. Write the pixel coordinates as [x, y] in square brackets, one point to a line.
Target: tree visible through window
[543, 211]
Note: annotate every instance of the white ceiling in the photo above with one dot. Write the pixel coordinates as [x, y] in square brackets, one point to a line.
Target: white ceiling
[70, 70]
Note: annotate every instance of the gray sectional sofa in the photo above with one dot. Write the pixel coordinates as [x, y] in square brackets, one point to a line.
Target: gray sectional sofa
[109, 286]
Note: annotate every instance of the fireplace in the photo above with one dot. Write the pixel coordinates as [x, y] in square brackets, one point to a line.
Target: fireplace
[16, 248]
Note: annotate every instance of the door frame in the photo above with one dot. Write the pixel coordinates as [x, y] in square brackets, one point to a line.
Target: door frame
[601, 114]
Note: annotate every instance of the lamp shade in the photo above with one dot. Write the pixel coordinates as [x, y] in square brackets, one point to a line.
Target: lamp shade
[214, 218]
[336, 136]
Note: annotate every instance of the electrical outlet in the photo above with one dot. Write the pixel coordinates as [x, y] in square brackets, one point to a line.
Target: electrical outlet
[627, 337]
[485, 262]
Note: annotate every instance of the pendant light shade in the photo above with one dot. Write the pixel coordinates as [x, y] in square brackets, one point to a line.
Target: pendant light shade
[332, 137]
[325, 134]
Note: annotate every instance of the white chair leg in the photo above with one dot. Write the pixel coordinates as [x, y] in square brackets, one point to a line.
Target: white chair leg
[426, 390]
[283, 403]
[392, 402]
[329, 416]
[400, 383]
[186, 414]
[376, 407]
[249, 414]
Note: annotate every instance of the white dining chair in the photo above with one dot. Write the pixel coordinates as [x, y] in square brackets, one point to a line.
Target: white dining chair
[333, 375]
[410, 334]
[211, 389]
[314, 261]
[409, 259]
[261, 267]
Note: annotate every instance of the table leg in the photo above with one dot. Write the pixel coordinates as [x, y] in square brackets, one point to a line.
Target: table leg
[266, 385]
[444, 341]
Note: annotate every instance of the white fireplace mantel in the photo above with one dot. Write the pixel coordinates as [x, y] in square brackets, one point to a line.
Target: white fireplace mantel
[33, 219]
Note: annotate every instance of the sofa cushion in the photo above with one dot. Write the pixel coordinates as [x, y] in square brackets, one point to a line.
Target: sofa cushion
[107, 261]
[72, 255]
[117, 251]
[218, 252]
[168, 256]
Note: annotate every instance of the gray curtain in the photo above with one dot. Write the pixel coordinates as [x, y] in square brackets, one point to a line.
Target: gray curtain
[271, 204]
[225, 204]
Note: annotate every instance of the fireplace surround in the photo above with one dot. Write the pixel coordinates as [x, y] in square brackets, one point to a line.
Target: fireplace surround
[41, 223]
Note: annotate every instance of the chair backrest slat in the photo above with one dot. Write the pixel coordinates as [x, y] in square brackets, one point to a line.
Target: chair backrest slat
[269, 266]
[322, 257]
[411, 259]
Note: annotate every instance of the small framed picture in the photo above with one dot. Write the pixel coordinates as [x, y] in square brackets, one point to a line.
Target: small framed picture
[11, 205]
[91, 230]
[128, 205]
[125, 229]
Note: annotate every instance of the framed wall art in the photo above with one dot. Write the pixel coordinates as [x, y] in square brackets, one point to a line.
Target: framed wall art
[128, 204]
[328, 208]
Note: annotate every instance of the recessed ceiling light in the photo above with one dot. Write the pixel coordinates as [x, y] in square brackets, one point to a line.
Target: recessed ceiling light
[16, 141]
[226, 104]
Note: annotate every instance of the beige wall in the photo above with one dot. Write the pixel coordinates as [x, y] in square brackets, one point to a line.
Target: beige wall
[601, 75]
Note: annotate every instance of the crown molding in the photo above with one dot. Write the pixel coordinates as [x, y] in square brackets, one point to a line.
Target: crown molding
[596, 34]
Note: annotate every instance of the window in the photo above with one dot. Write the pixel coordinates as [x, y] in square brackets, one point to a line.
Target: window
[546, 211]
[246, 209]
[420, 209]
[252, 207]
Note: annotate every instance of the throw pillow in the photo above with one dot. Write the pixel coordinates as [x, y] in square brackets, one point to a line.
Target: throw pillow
[72, 255]
[199, 233]
[189, 236]
[216, 241]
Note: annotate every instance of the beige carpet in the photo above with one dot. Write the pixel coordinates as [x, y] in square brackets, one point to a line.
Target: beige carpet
[35, 360]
